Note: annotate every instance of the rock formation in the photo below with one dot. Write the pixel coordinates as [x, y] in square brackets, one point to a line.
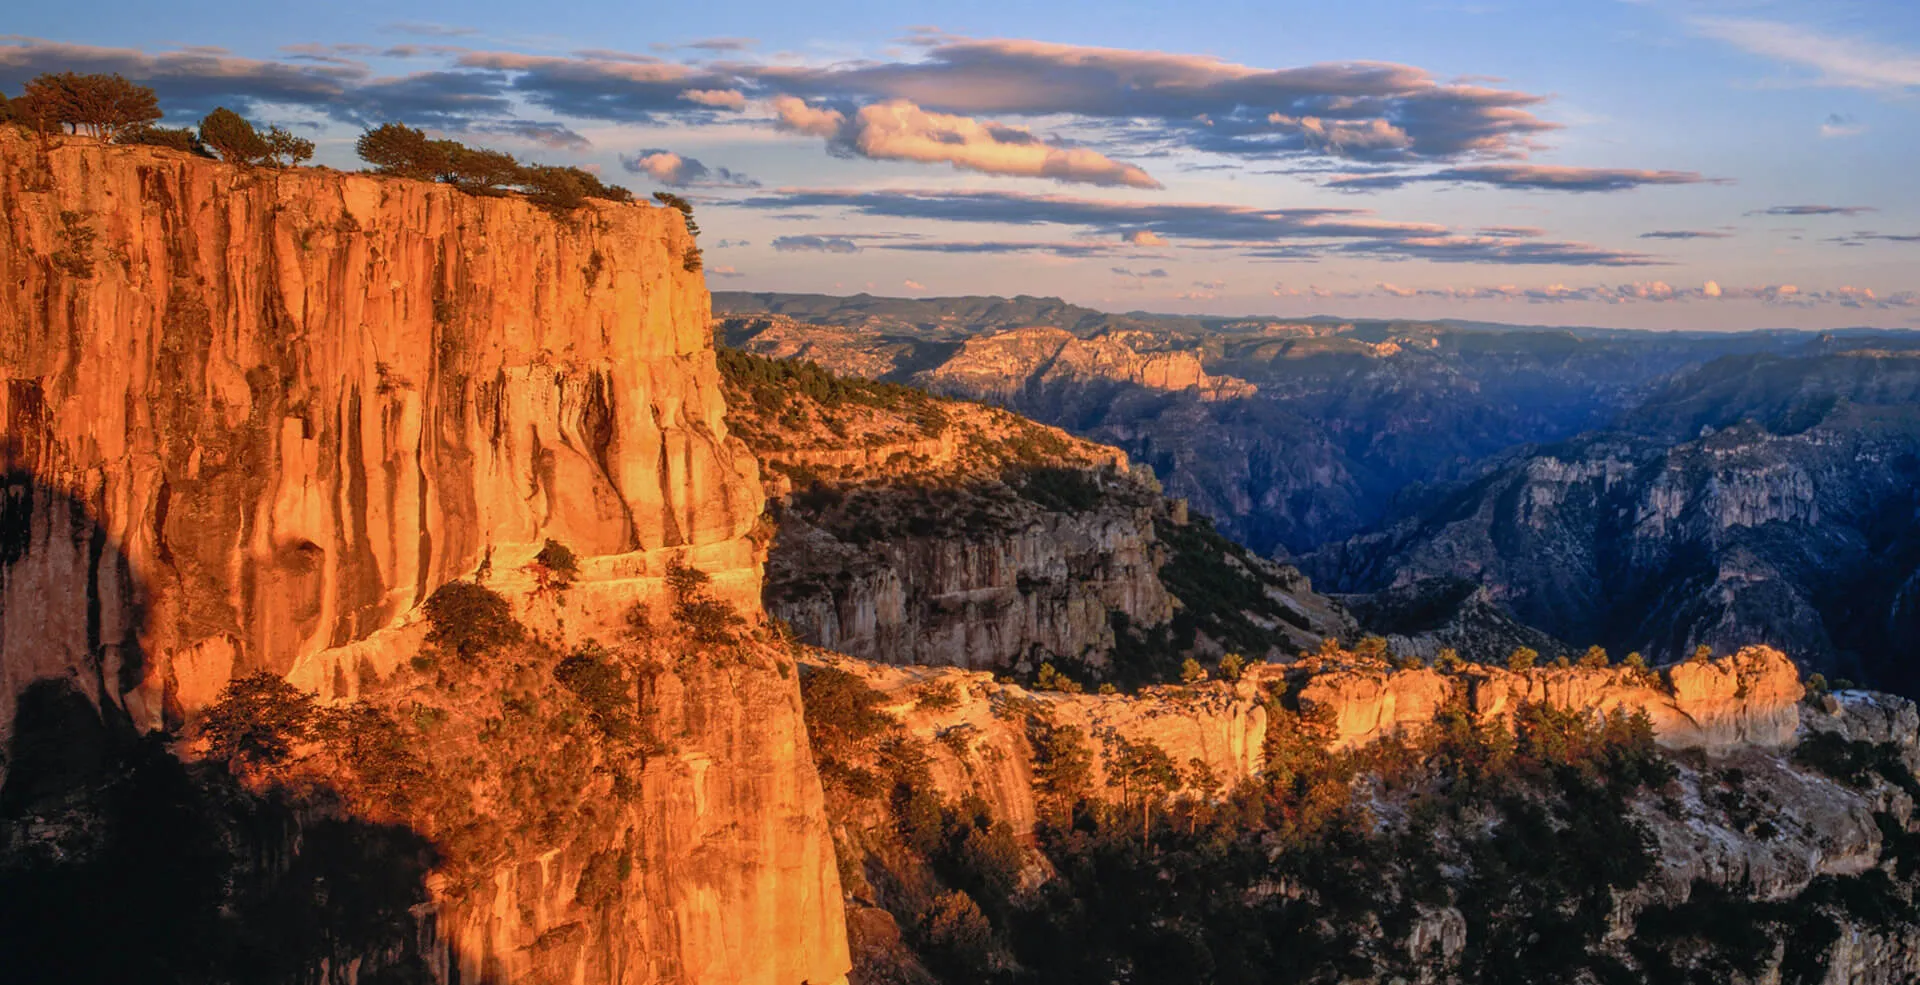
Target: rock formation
[255, 417]
[912, 529]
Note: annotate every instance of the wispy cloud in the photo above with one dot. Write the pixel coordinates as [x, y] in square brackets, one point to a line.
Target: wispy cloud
[1840, 125]
[1686, 234]
[1256, 233]
[1538, 177]
[1836, 61]
[1810, 210]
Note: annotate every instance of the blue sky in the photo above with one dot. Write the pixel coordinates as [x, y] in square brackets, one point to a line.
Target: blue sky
[1662, 163]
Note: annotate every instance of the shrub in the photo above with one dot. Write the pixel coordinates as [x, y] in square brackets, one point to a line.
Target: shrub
[286, 150]
[1232, 666]
[94, 105]
[1701, 654]
[1191, 672]
[841, 708]
[172, 138]
[400, 151]
[600, 684]
[257, 719]
[469, 619]
[477, 171]
[1522, 659]
[1051, 679]
[558, 561]
[938, 696]
[232, 137]
[1595, 658]
[705, 618]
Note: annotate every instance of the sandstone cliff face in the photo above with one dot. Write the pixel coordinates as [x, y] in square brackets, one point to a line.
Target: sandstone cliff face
[1736, 705]
[254, 417]
[1001, 365]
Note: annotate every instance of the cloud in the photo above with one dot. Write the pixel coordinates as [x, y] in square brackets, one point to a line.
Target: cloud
[1685, 234]
[1839, 125]
[722, 44]
[727, 244]
[1815, 210]
[1156, 273]
[554, 135]
[432, 30]
[724, 272]
[913, 285]
[1539, 177]
[1314, 291]
[1195, 295]
[1863, 238]
[1836, 61]
[1257, 233]
[1142, 237]
[815, 244]
[1362, 110]
[1660, 292]
[673, 170]
[1076, 249]
[189, 81]
[1210, 285]
[897, 130]
[616, 86]
[716, 98]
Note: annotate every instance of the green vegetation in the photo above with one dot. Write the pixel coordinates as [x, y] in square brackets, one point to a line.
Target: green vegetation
[556, 564]
[691, 262]
[257, 721]
[400, 151]
[172, 138]
[1164, 876]
[773, 389]
[706, 619]
[469, 619]
[237, 142]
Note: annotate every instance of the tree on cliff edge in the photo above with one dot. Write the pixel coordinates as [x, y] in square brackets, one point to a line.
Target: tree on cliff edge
[91, 105]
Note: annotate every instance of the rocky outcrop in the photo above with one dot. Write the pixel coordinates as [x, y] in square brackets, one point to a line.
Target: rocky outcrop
[914, 529]
[1748, 700]
[1001, 365]
[1748, 703]
[255, 416]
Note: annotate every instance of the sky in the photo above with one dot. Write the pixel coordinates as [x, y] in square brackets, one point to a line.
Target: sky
[1696, 164]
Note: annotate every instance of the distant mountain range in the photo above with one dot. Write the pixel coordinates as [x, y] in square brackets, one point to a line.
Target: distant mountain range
[1643, 490]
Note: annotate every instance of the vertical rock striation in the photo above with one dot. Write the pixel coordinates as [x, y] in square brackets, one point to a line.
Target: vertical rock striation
[254, 417]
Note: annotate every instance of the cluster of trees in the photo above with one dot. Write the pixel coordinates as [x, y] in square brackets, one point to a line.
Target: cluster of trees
[401, 151]
[110, 108]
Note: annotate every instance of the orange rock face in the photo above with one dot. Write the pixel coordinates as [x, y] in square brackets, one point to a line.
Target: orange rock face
[1750, 699]
[254, 417]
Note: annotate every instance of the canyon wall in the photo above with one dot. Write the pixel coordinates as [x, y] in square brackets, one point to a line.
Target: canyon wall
[1746, 702]
[254, 417]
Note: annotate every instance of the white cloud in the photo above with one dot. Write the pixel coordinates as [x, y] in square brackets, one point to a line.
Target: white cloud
[898, 130]
[1848, 62]
[716, 98]
[913, 285]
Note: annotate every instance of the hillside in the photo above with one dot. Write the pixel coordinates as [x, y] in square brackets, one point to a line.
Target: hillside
[1757, 500]
[922, 530]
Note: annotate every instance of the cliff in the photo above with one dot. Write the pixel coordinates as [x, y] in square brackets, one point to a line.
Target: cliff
[914, 529]
[255, 417]
[1760, 811]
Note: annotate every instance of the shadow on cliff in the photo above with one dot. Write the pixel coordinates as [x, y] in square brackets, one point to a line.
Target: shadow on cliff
[119, 862]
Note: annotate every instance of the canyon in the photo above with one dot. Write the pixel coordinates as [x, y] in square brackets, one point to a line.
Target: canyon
[398, 584]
